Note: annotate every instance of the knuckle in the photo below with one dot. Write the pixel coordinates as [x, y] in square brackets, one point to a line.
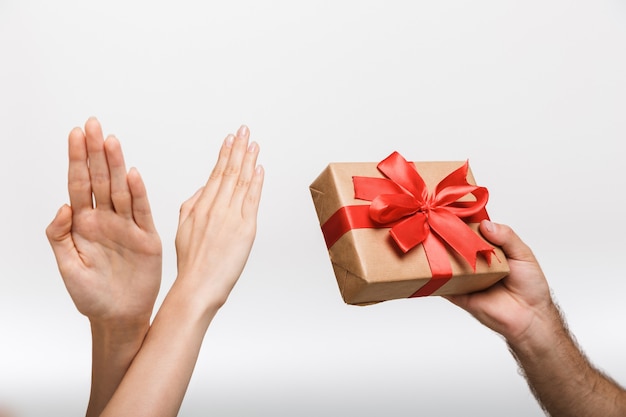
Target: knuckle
[243, 183]
[184, 207]
[99, 178]
[231, 171]
[216, 174]
[120, 196]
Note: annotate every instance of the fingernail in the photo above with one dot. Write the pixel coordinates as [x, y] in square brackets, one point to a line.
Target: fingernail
[253, 147]
[259, 169]
[489, 226]
[229, 141]
[243, 130]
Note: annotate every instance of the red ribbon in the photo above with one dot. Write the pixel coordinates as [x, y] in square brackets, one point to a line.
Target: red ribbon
[402, 202]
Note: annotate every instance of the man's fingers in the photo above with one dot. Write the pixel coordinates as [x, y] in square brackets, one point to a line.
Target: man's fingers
[503, 236]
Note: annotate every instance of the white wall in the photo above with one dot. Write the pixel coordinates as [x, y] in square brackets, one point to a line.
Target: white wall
[533, 93]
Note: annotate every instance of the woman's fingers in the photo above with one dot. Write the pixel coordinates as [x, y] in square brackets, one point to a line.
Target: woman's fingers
[78, 181]
[212, 185]
[246, 174]
[119, 192]
[98, 166]
[235, 182]
[141, 212]
[232, 173]
[250, 206]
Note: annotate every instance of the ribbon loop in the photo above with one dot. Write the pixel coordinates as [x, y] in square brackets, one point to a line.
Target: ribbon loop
[387, 208]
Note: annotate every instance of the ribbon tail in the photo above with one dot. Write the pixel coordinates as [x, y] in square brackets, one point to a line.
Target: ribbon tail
[455, 178]
[410, 232]
[439, 263]
[460, 237]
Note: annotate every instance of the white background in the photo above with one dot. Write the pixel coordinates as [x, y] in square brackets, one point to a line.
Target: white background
[533, 93]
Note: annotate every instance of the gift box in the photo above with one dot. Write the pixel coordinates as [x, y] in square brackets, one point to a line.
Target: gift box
[399, 229]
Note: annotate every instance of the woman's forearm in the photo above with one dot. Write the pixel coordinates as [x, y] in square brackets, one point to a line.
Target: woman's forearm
[157, 380]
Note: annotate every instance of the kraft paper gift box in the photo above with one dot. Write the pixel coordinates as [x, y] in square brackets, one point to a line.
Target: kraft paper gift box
[399, 229]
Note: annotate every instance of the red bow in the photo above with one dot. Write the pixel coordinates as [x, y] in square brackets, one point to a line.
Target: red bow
[402, 201]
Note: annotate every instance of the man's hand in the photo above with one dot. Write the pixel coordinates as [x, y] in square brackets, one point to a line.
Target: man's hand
[511, 306]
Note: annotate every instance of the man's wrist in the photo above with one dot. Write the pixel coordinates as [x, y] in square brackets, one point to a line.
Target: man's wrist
[539, 338]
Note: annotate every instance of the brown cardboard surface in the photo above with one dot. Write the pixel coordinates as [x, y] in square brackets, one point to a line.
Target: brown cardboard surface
[368, 266]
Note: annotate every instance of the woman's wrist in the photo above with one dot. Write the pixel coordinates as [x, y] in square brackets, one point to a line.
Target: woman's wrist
[120, 332]
[203, 295]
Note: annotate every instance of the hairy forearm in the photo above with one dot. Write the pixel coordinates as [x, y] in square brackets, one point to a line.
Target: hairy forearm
[560, 376]
[157, 380]
[114, 346]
